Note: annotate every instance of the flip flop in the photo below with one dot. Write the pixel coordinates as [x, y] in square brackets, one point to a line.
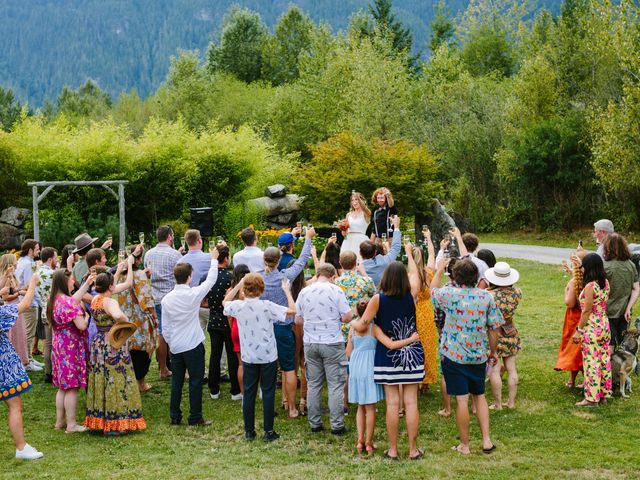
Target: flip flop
[390, 457]
[490, 449]
[418, 456]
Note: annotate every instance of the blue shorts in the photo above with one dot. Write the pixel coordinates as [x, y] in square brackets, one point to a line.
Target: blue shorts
[286, 343]
[159, 315]
[463, 378]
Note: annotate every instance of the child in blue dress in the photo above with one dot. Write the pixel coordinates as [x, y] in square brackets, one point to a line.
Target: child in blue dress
[14, 380]
[361, 349]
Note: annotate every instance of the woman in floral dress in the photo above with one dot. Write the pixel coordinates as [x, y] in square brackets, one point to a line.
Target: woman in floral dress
[14, 380]
[502, 279]
[395, 313]
[113, 398]
[137, 304]
[18, 333]
[69, 324]
[420, 277]
[593, 331]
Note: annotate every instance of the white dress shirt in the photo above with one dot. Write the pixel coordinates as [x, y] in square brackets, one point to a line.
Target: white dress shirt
[180, 307]
[252, 257]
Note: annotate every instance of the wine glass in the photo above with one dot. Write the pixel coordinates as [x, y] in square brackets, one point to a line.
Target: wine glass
[110, 238]
[406, 238]
[384, 237]
[334, 235]
[141, 237]
[121, 255]
[183, 242]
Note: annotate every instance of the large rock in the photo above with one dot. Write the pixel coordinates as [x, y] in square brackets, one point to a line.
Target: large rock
[276, 191]
[278, 206]
[10, 237]
[14, 216]
[283, 219]
[440, 222]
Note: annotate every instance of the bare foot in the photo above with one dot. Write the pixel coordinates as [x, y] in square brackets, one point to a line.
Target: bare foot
[76, 429]
[493, 406]
[165, 374]
[461, 449]
[586, 403]
[444, 412]
[60, 426]
[510, 407]
[294, 413]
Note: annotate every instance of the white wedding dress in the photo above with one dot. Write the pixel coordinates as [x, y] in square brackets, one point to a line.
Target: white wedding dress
[355, 235]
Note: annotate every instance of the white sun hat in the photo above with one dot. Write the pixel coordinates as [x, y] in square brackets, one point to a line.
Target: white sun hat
[502, 275]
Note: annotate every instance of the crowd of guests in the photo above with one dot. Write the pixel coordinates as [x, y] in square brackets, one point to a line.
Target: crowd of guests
[365, 325]
[600, 297]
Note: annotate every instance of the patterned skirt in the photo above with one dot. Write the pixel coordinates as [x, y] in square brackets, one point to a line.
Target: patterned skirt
[113, 398]
[13, 377]
[509, 346]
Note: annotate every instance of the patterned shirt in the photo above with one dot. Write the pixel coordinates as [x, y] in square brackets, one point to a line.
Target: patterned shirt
[217, 318]
[322, 305]
[45, 272]
[507, 300]
[470, 312]
[356, 287]
[255, 319]
[161, 259]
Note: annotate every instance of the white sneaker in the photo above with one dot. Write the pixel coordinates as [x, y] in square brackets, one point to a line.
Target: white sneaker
[40, 364]
[28, 453]
[237, 397]
[215, 396]
[32, 367]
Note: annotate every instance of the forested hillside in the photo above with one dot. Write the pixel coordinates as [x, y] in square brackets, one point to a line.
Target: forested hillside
[126, 44]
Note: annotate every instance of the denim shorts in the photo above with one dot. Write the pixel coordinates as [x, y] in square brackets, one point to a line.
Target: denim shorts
[463, 378]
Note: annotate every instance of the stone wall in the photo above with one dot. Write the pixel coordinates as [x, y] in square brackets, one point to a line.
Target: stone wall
[12, 232]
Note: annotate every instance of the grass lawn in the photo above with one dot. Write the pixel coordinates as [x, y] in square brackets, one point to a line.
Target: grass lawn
[546, 437]
[550, 239]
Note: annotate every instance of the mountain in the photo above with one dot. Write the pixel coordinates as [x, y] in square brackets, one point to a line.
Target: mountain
[127, 44]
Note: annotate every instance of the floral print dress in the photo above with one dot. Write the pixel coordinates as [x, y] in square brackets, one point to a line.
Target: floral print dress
[135, 303]
[69, 345]
[113, 398]
[507, 299]
[595, 346]
[13, 377]
[428, 333]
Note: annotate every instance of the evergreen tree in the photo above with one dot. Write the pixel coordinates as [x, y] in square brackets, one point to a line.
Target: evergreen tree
[442, 28]
[89, 101]
[9, 109]
[241, 44]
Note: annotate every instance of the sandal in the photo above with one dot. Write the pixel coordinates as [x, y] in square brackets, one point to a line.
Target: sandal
[303, 407]
[370, 448]
[490, 449]
[444, 413]
[390, 457]
[418, 456]
[146, 388]
[493, 406]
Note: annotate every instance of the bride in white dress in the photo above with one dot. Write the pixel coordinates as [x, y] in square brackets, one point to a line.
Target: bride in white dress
[359, 218]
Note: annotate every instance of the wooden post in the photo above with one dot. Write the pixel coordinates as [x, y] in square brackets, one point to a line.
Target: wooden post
[121, 240]
[36, 218]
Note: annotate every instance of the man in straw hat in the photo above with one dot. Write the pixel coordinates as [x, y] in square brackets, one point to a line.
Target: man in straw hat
[84, 242]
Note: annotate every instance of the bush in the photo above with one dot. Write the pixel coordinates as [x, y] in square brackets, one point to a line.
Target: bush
[347, 162]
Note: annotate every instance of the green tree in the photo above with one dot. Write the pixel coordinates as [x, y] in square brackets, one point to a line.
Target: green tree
[488, 51]
[442, 27]
[10, 109]
[387, 23]
[281, 52]
[241, 44]
[88, 102]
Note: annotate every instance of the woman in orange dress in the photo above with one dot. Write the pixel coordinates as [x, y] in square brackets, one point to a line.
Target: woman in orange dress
[420, 277]
[570, 354]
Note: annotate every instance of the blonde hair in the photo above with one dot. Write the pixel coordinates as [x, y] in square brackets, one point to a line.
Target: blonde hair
[363, 205]
[418, 257]
[6, 261]
[253, 285]
[387, 194]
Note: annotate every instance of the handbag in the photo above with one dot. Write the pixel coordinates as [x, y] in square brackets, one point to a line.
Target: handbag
[509, 330]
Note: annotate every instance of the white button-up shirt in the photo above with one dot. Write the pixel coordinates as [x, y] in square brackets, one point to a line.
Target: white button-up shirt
[180, 308]
[252, 257]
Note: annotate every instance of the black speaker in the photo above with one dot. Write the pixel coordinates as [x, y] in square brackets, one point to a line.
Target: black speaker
[202, 219]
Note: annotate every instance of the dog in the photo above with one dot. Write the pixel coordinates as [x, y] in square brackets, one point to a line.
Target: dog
[624, 361]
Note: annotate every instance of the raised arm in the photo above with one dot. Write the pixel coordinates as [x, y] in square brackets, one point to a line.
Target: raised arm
[25, 303]
[294, 270]
[455, 232]
[431, 251]
[121, 287]
[84, 288]
[394, 251]
[393, 344]
[203, 289]
[233, 292]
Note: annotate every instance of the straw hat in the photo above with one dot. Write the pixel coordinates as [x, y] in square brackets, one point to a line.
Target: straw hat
[83, 241]
[120, 333]
[502, 275]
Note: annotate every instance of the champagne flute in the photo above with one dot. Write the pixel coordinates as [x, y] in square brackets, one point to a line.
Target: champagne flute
[121, 255]
[384, 237]
[406, 238]
[183, 242]
[110, 238]
[141, 237]
[334, 235]
[212, 245]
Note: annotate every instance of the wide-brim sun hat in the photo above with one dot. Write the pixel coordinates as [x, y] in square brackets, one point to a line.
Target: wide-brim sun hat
[120, 333]
[502, 275]
[82, 241]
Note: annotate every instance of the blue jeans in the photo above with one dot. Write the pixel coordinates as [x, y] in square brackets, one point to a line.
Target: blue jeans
[159, 315]
[266, 374]
[193, 362]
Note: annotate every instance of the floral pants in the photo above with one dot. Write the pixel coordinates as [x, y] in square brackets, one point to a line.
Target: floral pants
[596, 366]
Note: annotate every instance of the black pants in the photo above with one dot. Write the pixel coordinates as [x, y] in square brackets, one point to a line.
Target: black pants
[618, 327]
[193, 362]
[220, 339]
[141, 362]
[266, 374]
